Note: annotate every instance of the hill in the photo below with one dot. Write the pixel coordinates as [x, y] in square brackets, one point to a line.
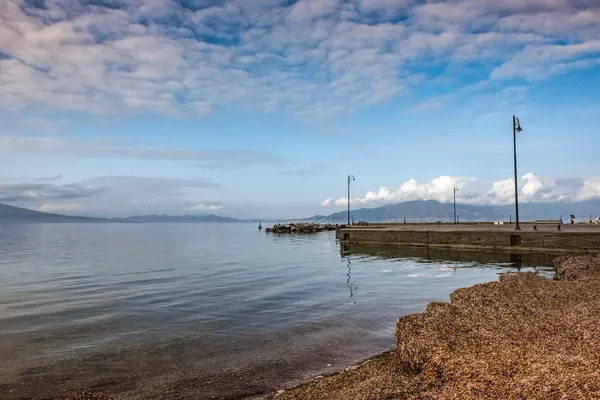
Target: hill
[431, 210]
[18, 214]
[176, 218]
[12, 213]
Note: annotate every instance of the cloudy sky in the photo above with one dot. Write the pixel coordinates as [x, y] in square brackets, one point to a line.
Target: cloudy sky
[261, 108]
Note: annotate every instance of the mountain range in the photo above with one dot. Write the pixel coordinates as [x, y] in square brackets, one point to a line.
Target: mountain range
[176, 218]
[12, 213]
[431, 210]
[415, 211]
[25, 215]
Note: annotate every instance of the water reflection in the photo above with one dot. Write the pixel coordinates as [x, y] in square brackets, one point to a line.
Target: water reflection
[350, 286]
[428, 254]
[345, 253]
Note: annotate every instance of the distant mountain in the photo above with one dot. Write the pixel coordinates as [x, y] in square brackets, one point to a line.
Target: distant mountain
[431, 210]
[176, 218]
[12, 213]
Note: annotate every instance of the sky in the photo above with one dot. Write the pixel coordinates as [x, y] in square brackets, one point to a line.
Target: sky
[260, 109]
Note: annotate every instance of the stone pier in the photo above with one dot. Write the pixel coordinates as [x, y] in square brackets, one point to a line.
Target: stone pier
[576, 238]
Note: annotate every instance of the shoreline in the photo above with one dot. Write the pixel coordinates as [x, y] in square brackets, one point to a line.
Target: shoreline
[522, 336]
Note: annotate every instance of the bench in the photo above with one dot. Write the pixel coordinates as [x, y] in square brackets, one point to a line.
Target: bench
[544, 222]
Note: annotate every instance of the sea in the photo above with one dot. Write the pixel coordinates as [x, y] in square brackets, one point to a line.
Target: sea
[206, 311]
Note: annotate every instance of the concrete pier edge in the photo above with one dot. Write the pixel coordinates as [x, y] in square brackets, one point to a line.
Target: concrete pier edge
[572, 239]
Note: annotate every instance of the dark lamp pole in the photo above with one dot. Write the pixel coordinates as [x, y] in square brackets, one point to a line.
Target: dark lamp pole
[350, 178]
[455, 219]
[516, 128]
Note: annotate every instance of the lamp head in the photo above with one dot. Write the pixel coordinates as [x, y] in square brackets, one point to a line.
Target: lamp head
[518, 125]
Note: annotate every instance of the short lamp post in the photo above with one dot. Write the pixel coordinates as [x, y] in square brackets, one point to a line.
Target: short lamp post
[455, 215]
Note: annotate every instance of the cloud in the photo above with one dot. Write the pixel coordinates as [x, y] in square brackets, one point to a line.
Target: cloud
[537, 189]
[59, 208]
[111, 196]
[438, 189]
[311, 170]
[204, 207]
[542, 61]
[212, 158]
[531, 189]
[40, 192]
[327, 202]
[321, 58]
[49, 178]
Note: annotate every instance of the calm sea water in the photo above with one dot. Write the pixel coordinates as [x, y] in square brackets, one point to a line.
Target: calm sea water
[204, 310]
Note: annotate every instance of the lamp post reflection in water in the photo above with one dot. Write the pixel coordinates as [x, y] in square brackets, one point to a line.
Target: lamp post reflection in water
[345, 253]
[349, 275]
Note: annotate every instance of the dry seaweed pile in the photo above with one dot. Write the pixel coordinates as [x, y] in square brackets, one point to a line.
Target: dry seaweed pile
[522, 337]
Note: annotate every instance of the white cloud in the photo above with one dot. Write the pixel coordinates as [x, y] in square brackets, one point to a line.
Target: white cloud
[540, 61]
[438, 189]
[317, 57]
[385, 6]
[327, 202]
[531, 189]
[309, 9]
[204, 207]
[541, 189]
[111, 196]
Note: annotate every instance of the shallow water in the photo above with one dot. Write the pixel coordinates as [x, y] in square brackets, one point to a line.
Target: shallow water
[204, 310]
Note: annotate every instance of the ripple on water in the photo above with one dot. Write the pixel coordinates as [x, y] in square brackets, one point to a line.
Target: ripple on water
[201, 301]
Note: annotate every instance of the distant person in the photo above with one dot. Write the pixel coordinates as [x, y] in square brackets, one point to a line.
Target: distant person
[572, 218]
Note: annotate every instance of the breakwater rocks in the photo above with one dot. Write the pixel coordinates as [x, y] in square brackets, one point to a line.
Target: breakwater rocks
[301, 227]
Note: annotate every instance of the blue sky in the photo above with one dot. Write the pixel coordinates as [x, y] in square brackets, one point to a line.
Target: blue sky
[261, 108]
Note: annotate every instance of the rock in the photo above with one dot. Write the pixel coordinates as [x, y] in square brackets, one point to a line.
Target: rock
[301, 227]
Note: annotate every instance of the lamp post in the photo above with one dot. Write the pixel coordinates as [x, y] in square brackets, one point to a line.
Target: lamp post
[516, 128]
[350, 178]
[455, 219]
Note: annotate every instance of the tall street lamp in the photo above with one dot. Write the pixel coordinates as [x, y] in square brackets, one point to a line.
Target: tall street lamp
[350, 178]
[516, 128]
[455, 190]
